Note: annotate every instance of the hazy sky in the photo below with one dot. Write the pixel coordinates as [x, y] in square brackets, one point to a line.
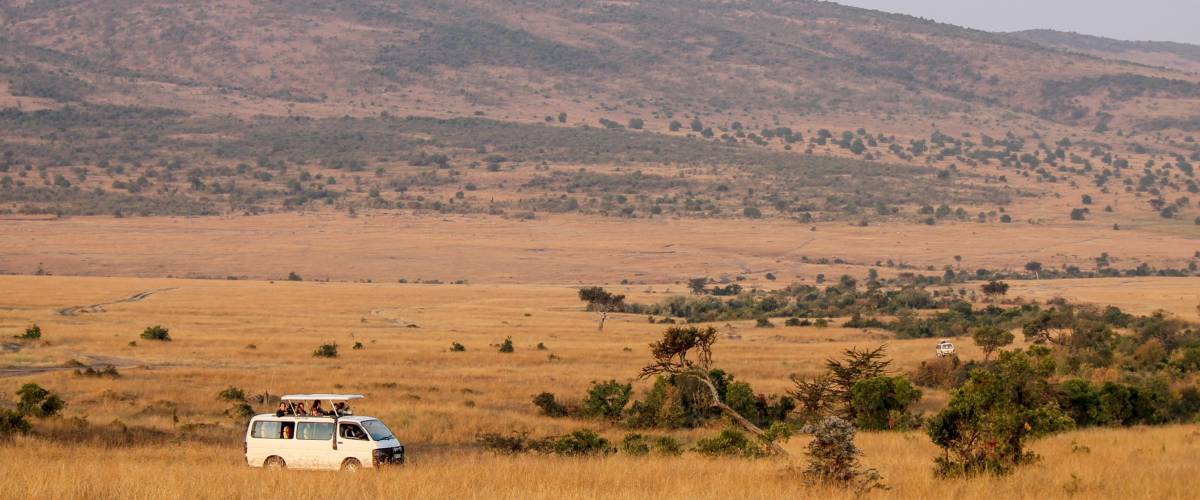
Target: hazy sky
[1161, 20]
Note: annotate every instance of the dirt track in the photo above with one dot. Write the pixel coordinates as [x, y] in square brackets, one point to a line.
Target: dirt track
[97, 308]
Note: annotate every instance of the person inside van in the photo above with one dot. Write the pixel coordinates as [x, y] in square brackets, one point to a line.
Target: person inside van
[350, 431]
[342, 409]
[316, 409]
[298, 409]
[287, 431]
[282, 410]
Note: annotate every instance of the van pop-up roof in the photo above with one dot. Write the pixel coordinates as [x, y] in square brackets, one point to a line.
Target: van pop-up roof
[320, 397]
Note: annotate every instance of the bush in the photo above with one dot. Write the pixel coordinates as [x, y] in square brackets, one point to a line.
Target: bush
[232, 394]
[988, 421]
[833, 457]
[729, 443]
[12, 422]
[156, 333]
[635, 445]
[550, 406]
[32, 333]
[456, 347]
[883, 403]
[667, 445]
[292, 276]
[583, 442]
[763, 323]
[38, 402]
[326, 351]
[607, 399]
[357, 346]
[507, 346]
[241, 412]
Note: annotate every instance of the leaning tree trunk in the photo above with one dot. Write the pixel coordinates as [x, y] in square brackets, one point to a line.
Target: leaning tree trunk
[737, 417]
[603, 316]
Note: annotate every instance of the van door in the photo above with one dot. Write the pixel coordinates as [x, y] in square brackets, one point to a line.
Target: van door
[354, 442]
[315, 440]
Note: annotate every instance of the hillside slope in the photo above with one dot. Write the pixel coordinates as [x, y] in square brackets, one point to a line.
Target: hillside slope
[1180, 56]
[685, 107]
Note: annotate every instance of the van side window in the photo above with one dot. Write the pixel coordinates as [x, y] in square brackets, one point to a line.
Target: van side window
[315, 431]
[267, 429]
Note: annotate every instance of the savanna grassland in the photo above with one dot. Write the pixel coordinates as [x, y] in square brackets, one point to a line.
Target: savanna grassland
[158, 429]
[418, 182]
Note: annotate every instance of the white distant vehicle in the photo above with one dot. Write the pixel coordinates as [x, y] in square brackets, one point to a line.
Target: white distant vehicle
[336, 440]
[944, 348]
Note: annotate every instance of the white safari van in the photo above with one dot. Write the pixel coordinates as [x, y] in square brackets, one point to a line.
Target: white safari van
[334, 440]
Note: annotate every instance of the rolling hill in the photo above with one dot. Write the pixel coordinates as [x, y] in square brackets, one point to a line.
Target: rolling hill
[233, 106]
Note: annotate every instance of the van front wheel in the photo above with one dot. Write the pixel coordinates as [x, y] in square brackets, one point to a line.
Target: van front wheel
[351, 465]
[275, 463]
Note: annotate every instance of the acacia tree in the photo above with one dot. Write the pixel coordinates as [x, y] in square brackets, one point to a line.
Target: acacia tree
[990, 338]
[687, 352]
[602, 302]
[994, 288]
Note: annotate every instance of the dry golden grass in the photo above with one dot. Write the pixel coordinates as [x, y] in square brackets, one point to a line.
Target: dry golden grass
[385, 247]
[436, 400]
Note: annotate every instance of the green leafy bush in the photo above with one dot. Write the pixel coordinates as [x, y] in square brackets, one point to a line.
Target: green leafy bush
[38, 402]
[730, 443]
[883, 403]
[34, 332]
[988, 421]
[550, 406]
[607, 400]
[635, 445]
[156, 333]
[507, 346]
[326, 351]
[583, 442]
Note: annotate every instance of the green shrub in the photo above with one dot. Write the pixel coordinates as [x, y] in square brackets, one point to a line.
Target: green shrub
[38, 402]
[156, 333]
[326, 351]
[12, 422]
[357, 346]
[667, 445]
[583, 442]
[988, 421]
[729, 443]
[607, 399]
[232, 394]
[763, 323]
[507, 346]
[883, 403]
[550, 406]
[32, 333]
[635, 445]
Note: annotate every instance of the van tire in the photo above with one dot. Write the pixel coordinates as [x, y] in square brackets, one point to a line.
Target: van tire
[274, 463]
[351, 465]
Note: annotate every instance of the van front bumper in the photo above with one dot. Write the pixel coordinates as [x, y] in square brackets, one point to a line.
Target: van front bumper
[388, 456]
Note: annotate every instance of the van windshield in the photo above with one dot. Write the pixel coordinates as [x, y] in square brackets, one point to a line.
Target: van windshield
[377, 430]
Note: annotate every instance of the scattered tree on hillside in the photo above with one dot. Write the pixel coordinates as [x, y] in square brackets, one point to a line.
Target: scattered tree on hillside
[990, 338]
[994, 288]
[1034, 267]
[602, 302]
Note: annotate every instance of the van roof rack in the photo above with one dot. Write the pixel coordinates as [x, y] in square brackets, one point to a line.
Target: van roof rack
[322, 397]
